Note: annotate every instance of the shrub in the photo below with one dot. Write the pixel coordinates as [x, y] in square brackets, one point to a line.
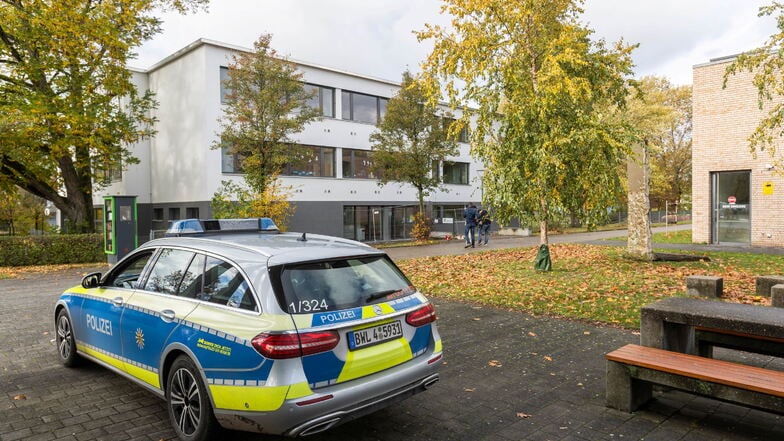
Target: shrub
[51, 249]
[421, 229]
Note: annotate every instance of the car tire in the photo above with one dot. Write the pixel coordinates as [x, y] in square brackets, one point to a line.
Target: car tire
[190, 410]
[65, 339]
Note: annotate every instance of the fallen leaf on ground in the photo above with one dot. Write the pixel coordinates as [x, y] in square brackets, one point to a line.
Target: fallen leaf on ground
[523, 415]
[532, 334]
[20, 397]
[548, 358]
[469, 389]
[494, 363]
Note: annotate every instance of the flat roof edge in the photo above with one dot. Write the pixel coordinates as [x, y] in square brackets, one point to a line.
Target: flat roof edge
[207, 42]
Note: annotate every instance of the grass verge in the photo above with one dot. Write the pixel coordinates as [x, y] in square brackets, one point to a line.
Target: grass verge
[587, 282]
[11, 272]
[678, 236]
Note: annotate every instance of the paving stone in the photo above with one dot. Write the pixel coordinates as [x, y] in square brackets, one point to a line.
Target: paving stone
[496, 385]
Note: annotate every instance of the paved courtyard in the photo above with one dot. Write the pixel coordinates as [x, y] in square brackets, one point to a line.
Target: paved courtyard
[506, 376]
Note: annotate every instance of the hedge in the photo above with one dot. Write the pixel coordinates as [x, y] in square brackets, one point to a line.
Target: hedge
[51, 249]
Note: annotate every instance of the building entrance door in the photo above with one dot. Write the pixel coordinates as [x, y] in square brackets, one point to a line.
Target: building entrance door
[731, 217]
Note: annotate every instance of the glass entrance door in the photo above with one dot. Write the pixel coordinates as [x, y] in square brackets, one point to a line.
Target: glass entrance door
[731, 220]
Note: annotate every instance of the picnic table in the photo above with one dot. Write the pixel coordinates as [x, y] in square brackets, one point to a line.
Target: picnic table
[677, 337]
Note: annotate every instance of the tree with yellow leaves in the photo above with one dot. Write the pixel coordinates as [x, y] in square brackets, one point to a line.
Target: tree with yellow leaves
[267, 103]
[545, 92]
[69, 108]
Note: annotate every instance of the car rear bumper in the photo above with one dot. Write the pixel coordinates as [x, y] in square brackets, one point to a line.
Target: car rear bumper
[348, 401]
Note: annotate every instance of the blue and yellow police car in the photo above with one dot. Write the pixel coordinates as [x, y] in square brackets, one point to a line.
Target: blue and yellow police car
[237, 325]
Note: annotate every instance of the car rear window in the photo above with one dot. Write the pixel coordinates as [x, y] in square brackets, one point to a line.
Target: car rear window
[339, 284]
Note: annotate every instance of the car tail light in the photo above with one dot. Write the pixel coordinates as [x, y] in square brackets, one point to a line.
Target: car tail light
[422, 316]
[279, 346]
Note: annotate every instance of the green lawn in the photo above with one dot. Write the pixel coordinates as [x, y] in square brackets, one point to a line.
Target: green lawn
[679, 236]
[588, 282]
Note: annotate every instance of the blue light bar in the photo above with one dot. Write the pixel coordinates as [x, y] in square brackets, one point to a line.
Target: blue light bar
[205, 226]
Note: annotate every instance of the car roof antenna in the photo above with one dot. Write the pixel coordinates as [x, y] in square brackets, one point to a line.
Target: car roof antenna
[302, 238]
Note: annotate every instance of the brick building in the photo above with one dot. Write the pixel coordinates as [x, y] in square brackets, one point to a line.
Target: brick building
[738, 197]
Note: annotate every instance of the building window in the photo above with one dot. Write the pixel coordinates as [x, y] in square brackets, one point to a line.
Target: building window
[462, 136]
[312, 161]
[230, 163]
[98, 218]
[224, 91]
[357, 164]
[362, 108]
[436, 170]
[157, 214]
[192, 212]
[323, 99]
[174, 213]
[374, 223]
[112, 174]
[455, 173]
[447, 214]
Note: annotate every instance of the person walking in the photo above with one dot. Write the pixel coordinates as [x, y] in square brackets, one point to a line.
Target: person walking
[483, 225]
[470, 224]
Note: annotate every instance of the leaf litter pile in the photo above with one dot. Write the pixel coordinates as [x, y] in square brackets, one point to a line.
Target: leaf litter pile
[587, 282]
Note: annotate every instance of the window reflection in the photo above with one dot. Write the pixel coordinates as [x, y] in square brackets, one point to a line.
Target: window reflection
[224, 285]
[170, 268]
[357, 164]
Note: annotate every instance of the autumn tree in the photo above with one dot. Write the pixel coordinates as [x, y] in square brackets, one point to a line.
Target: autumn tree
[234, 201]
[543, 88]
[21, 212]
[671, 160]
[411, 140]
[266, 104]
[70, 108]
[767, 65]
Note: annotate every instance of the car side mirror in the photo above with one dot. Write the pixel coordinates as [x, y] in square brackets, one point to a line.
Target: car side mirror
[92, 280]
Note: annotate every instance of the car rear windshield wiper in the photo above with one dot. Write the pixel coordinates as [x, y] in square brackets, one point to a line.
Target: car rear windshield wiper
[381, 294]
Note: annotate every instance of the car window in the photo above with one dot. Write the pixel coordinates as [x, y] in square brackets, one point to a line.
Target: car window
[170, 268]
[224, 285]
[127, 274]
[340, 284]
[192, 280]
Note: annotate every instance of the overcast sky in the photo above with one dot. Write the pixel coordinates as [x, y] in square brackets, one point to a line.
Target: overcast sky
[374, 37]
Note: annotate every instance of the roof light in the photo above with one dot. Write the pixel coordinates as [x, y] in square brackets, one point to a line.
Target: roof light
[201, 226]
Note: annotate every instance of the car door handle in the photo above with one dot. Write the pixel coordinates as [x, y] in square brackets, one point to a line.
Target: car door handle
[118, 301]
[167, 315]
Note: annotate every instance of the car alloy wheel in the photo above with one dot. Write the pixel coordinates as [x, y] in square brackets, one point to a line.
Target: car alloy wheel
[66, 343]
[189, 408]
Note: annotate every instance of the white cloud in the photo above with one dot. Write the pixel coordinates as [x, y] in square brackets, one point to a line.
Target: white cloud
[674, 35]
[376, 37]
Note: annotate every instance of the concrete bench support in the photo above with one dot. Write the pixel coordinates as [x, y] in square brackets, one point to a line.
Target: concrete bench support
[704, 286]
[633, 369]
[765, 283]
[777, 295]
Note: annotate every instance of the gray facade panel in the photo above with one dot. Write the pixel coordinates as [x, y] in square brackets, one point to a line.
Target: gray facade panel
[318, 217]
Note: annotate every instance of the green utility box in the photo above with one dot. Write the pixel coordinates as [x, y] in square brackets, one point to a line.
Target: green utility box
[119, 226]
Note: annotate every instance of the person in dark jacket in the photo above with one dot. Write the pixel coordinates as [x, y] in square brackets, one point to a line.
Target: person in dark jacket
[483, 225]
[470, 224]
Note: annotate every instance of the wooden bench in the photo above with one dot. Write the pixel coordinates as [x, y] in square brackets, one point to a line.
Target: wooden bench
[633, 369]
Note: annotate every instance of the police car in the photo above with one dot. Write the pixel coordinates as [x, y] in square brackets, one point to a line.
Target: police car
[240, 326]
